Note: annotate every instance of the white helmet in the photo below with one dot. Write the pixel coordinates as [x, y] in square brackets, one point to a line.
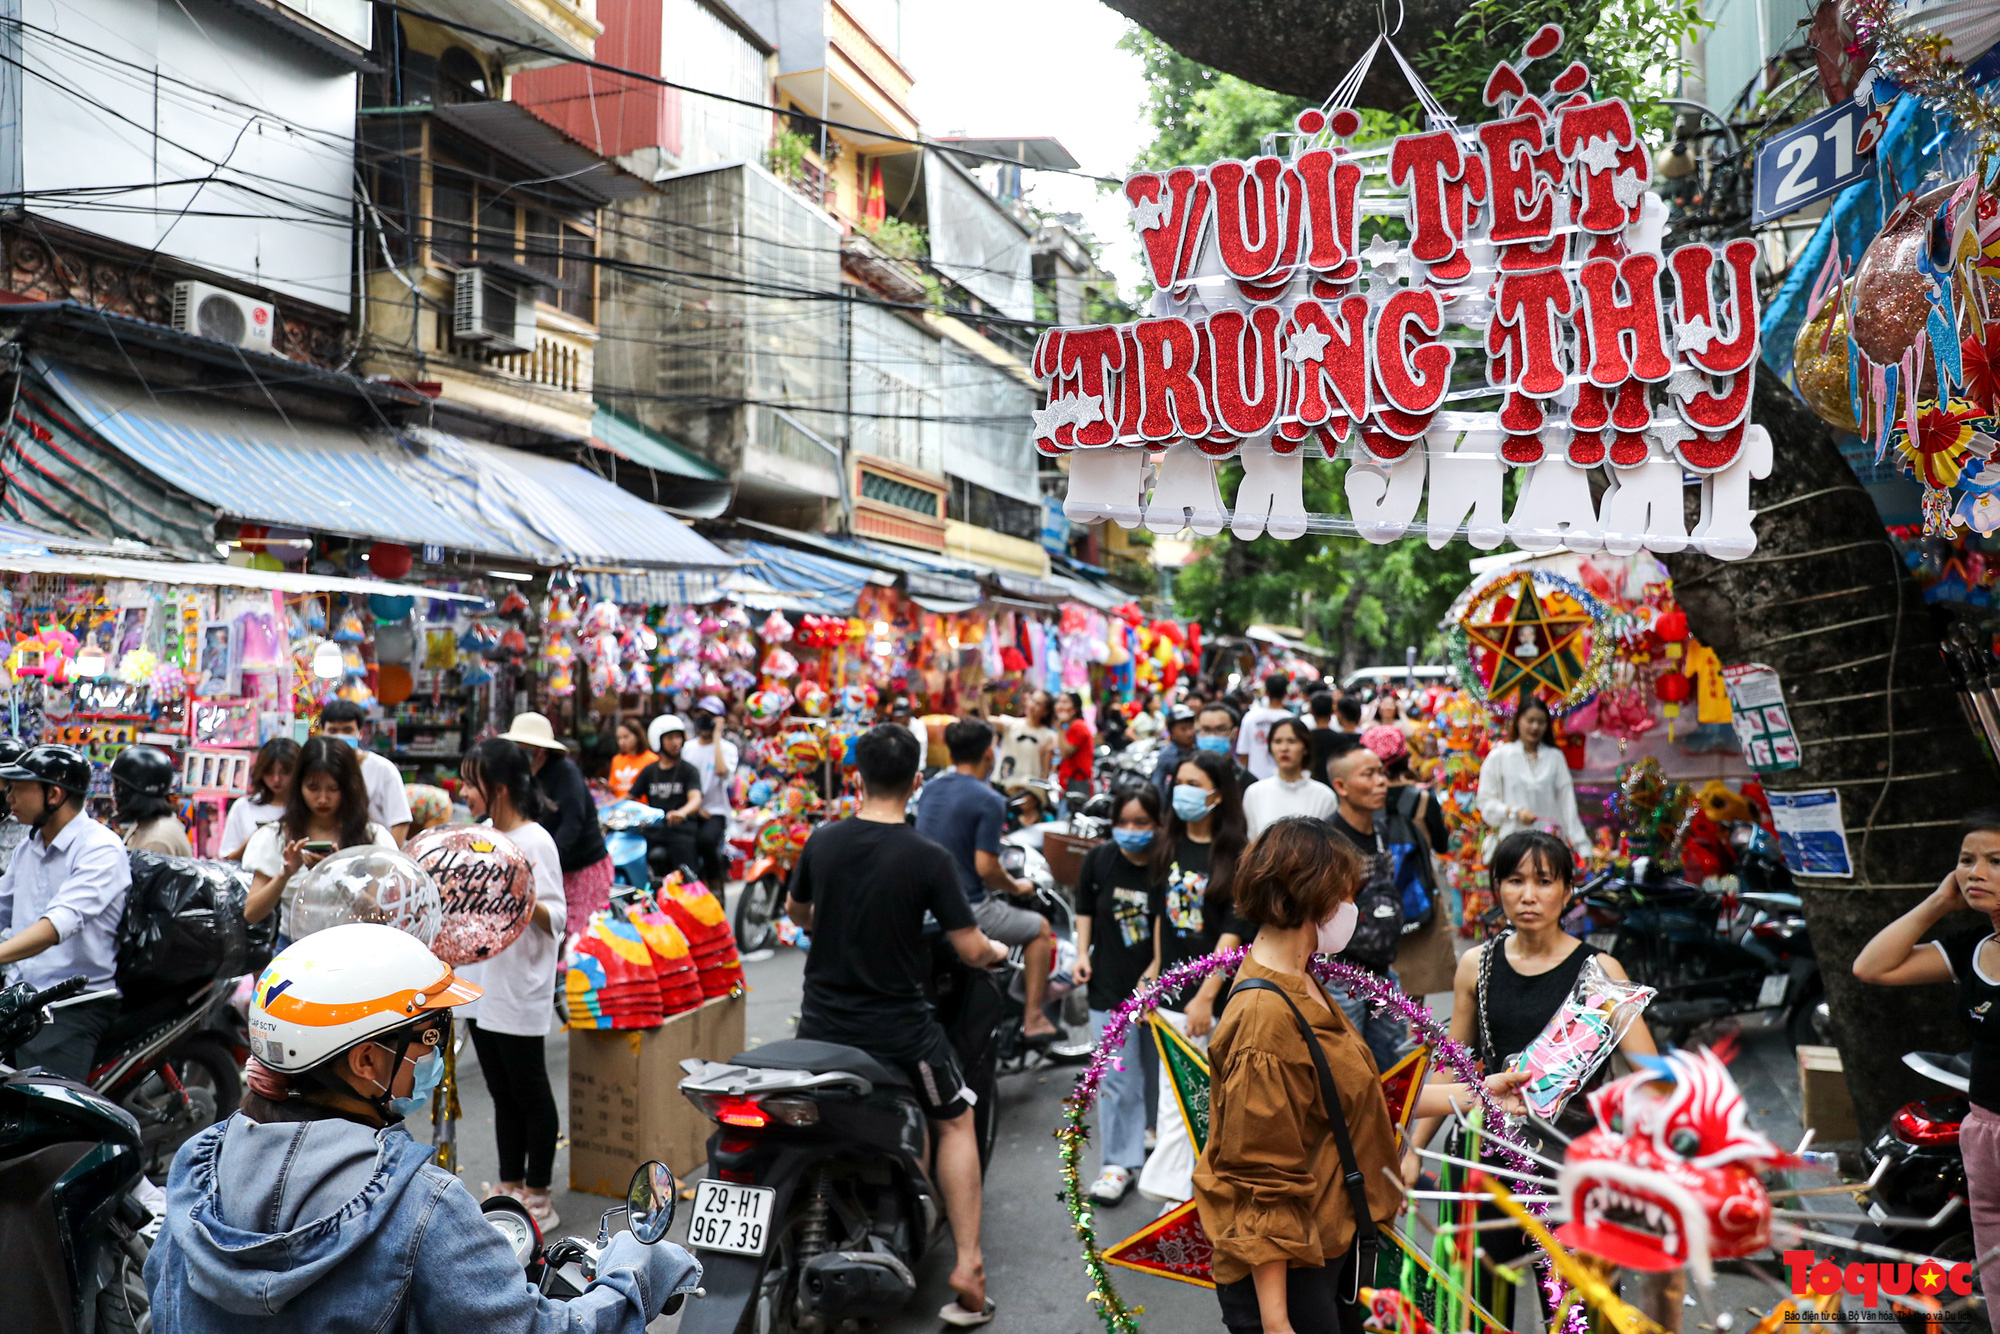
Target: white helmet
[344, 985]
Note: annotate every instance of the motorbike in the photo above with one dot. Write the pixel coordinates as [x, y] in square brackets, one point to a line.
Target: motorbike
[173, 1061]
[1916, 1176]
[818, 1207]
[764, 865]
[69, 1159]
[1709, 955]
[563, 1269]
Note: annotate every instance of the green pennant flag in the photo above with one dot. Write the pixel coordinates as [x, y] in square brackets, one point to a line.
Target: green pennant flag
[1188, 1069]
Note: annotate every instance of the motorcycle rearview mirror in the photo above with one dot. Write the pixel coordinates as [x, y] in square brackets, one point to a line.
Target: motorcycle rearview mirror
[648, 1208]
[650, 1201]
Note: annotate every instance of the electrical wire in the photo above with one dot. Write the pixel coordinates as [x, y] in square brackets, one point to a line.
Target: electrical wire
[563, 58]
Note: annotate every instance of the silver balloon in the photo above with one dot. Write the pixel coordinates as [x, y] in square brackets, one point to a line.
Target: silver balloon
[367, 884]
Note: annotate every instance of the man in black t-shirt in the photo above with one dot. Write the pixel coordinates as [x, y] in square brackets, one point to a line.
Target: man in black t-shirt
[672, 785]
[1363, 788]
[862, 887]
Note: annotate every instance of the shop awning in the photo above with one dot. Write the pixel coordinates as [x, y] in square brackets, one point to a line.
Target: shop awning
[552, 512]
[656, 588]
[628, 439]
[811, 582]
[924, 576]
[1089, 594]
[417, 487]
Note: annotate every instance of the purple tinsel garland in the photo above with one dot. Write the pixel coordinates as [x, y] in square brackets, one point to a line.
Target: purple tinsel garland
[1380, 995]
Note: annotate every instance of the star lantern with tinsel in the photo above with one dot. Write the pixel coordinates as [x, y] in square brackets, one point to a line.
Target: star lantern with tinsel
[1529, 633]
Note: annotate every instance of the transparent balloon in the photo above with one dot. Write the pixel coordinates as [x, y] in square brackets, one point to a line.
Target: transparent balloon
[368, 884]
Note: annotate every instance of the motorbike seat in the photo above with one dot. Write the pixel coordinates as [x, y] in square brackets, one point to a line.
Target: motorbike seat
[821, 1058]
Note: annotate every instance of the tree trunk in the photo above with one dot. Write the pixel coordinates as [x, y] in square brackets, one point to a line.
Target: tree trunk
[1827, 602]
[1350, 606]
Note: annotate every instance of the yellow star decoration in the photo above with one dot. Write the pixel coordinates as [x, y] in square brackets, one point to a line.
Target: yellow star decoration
[1930, 1279]
[1537, 642]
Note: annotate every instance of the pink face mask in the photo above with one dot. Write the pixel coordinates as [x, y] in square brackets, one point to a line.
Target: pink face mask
[1337, 930]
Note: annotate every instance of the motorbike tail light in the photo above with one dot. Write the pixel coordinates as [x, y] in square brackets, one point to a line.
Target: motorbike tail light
[731, 1110]
[1916, 1124]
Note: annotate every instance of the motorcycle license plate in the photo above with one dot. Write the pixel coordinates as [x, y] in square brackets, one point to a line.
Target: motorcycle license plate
[1773, 990]
[1602, 940]
[731, 1218]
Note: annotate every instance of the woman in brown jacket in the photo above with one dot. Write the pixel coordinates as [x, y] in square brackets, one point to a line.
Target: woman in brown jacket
[1270, 1185]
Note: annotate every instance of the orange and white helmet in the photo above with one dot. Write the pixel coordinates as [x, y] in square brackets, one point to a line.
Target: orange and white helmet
[344, 985]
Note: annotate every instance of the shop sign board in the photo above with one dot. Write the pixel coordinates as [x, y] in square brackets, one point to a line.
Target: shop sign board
[1055, 526]
[1810, 832]
[1816, 158]
[1763, 724]
[1277, 339]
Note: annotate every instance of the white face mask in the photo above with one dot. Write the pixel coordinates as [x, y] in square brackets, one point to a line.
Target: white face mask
[1337, 930]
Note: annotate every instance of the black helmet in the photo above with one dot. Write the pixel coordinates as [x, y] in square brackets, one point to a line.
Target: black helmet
[11, 749]
[144, 771]
[64, 766]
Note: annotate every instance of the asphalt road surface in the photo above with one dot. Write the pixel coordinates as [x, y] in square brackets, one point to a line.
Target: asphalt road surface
[1032, 1258]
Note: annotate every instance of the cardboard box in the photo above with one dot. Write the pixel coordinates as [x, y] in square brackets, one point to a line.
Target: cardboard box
[1825, 1105]
[625, 1104]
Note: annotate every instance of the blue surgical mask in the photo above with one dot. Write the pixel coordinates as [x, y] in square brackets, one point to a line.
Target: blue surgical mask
[1190, 802]
[1133, 840]
[430, 1070]
[1218, 744]
[351, 738]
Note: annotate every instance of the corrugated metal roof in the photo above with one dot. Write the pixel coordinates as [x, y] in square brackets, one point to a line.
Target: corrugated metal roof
[556, 158]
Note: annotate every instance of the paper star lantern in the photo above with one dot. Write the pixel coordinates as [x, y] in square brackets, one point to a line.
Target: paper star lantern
[1530, 632]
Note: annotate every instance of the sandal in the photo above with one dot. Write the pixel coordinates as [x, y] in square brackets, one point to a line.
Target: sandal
[542, 1208]
[954, 1314]
[1111, 1184]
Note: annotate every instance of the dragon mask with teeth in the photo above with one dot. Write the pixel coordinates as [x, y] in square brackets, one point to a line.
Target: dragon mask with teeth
[1669, 1176]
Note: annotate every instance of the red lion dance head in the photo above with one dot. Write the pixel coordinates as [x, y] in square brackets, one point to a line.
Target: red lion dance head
[1669, 1177]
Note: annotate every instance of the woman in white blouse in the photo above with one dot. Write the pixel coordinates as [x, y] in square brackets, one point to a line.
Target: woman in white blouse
[511, 1020]
[1290, 791]
[1524, 784]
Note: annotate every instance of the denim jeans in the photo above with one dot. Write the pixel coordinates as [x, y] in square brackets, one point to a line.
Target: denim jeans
[1387, 1037]
[1121, 1099]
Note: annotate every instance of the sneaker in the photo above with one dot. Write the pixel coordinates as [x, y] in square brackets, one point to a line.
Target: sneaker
[1111, 1185]
[543, 1209]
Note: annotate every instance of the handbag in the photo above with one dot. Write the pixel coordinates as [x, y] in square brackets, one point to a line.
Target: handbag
[1367, 1237]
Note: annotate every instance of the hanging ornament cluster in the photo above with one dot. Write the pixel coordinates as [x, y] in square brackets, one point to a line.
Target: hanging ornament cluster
[1917, 51]
[1276, 336]
[1523, 633]
[1906, 351]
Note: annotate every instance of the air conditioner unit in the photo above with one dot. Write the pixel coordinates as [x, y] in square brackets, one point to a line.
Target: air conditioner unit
[227, 317]
[492, 311]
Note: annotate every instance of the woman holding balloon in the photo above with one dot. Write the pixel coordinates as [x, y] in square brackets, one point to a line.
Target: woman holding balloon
[511, 1020]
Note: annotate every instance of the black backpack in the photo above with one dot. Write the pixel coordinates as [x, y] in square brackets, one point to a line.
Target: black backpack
[1380, 905]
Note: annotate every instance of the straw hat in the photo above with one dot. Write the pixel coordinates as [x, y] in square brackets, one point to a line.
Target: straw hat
[532, 729]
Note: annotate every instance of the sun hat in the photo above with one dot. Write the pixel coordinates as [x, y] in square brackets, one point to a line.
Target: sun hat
[532, 729]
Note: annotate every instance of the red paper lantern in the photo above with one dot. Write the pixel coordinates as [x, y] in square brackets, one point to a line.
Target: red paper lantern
[388, 560]
[1672, 626]
[1672, 688]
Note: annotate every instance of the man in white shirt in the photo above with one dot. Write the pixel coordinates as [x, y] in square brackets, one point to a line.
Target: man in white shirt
[61, 903]
[388, 804]
[1252, 738]
[715, 758]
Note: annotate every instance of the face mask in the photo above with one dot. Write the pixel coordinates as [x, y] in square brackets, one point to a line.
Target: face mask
[1190, 802]
[1337, 930]
[429, 1071]
[353, 740]
[1217, 744]
[1133, 840]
